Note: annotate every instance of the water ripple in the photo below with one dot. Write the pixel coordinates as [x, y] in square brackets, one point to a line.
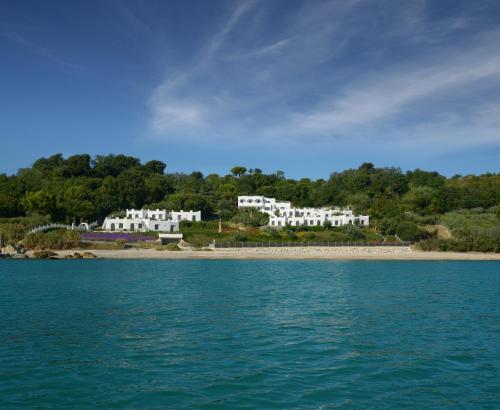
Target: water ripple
[249, 334]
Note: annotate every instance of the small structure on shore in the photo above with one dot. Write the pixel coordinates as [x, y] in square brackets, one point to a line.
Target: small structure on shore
[143, 220]
[281, 213]
[166, 238]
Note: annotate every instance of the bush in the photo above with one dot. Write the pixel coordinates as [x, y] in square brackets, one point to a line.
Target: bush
[407, 231]
[12, 232]
[422, 219]
[199, 241]
[240, 237]
[273, 233]
[251, 217]
[354, 231]
[429, 245]
[458, 245]
[57, 239]
[121, 243]
[172, 247]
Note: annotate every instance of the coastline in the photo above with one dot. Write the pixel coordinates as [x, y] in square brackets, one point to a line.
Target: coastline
[341, 253]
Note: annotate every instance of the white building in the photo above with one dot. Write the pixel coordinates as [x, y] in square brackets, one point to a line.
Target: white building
[282, 213]
[263, 204]
[150, 220]
[181, 215]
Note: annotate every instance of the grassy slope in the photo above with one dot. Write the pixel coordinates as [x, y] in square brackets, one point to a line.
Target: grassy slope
[205, 232]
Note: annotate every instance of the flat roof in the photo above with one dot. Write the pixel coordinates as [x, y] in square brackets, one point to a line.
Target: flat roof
[170, 235]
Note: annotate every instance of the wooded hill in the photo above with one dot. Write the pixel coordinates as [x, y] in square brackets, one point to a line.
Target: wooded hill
[81, 188]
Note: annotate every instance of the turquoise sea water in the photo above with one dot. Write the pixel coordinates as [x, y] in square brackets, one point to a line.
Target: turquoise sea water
[249, 334]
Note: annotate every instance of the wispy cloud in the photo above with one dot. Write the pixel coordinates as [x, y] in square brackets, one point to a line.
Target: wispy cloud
[174, 109]
[37, 49]
[334, 71]
[262, 51]
[218, 39]
[391, 92]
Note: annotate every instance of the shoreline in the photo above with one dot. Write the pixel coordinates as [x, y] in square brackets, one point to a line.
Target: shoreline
[306, 253]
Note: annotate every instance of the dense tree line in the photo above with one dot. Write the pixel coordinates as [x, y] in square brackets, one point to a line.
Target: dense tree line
[83, 188]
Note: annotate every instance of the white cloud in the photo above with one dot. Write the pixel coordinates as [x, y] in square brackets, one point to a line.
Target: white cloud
[172, 115]
[262, 51]
[392, 92]
[176, 111]
[323, 76]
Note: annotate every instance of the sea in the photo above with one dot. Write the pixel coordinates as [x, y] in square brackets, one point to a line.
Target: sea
[249, 334]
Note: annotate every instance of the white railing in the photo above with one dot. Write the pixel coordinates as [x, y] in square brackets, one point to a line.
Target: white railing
[82, 227]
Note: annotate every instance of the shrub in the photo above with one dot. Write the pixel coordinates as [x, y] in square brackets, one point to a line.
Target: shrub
[273, 233]
[57, 239]
[12, 232]
[199, 241]
[429, 245]
[354, 231]
[251, 217]
[172, 247]
[118, 214]
[121, 243]
[458, 245]
[240, 237]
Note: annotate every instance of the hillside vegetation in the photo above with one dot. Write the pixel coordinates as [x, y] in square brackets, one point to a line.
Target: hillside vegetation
[402, 204]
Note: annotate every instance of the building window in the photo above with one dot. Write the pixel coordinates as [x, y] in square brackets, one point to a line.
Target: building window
[318, 223]
[171, 228]
[336, 223]
[157, 227]
[193, 218]
[139, 226]
[120, 225]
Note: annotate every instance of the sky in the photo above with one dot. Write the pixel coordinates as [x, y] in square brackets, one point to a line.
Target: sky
[306, 87]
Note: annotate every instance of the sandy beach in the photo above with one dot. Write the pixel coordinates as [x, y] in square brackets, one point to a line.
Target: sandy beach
[351, 253]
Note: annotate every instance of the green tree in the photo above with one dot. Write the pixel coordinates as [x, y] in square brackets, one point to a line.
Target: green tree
[155, 167]
[77, 202]
[238, 171]
[40, 201]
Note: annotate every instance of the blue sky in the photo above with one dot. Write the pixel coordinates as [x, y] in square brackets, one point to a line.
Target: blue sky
[307, 87]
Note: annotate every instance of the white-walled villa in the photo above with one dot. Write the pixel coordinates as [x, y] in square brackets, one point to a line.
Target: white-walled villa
[263, 204]
[181, 215]
[281, 213]
[143, 220]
